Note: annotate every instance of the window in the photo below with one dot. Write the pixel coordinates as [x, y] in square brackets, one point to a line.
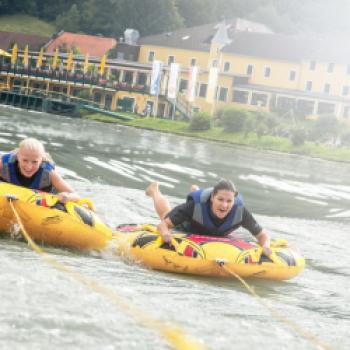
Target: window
[330, 68]
[151, 56]
[249, 69]
[97, 97]
[267, 72]
[141, 79]
[171, 59]
[203, 90]
[312, 65]
[120, 55]
[346, 113]
[308, 86]
[259, 99]
[183, 85]
[227, 66]
[325, 108]
[327, 88]
[305, 107]
[345, 91]
[285, 103]
[292, 75]
[193, 62]
[222, 94]
[240, 96]
[128, 77]
[115, 73]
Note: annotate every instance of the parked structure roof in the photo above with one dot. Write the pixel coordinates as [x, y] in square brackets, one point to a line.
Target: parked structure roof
[34, 42]
[94, 46]
[288, 47]
[242, 37]
[199, 38]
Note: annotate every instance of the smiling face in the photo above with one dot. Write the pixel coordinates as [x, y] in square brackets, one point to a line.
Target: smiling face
[29, 161]
[222, 202]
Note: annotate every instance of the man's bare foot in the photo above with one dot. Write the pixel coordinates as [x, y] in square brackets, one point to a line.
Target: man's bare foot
[194, 188]
[152, 188]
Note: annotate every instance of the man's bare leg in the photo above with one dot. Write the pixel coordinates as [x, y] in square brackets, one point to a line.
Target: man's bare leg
[161, 203]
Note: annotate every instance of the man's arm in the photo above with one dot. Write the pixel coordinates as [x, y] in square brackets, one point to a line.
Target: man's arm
[249, 223]
[264, 240]
[164, 228]
[175, 217]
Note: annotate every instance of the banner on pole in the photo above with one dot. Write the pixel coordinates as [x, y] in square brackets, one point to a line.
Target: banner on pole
[102, 64]
[86, 64]
[55, 60]
[155, 78]
[192, 81]
[25, 57]
[69, 63]
[173, 77]
[212, 84]
[39, 61]
[14, 54]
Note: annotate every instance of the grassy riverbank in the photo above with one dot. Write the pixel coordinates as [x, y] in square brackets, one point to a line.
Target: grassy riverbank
[273, 143]
[26, 24]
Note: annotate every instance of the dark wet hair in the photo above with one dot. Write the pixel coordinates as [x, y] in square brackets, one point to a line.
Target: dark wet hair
[225, 185]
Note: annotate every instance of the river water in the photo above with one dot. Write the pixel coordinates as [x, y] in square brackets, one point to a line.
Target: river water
[306, 201]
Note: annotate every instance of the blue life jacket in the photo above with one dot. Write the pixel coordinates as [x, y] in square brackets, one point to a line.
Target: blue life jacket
[201, 220]
[41, 179]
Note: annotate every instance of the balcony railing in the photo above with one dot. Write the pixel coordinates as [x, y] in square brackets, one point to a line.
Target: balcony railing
[78, 77]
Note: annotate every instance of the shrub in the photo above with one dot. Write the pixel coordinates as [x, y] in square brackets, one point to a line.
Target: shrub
[84, 94]
[268, 122]
[234, 119]
[298, 136]
[324, 128]
[200, 121]
[345, 138]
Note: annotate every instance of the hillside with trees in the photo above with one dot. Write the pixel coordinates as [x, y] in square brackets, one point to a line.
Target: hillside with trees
[111, 17]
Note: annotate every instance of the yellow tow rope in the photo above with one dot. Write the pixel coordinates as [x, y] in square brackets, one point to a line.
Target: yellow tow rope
[299, 330]
[304, 333]
[175, 336]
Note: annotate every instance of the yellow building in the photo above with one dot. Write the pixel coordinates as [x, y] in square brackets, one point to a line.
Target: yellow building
[239, 63]
[257, 69]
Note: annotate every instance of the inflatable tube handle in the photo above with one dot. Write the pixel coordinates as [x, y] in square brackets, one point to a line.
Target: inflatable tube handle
[256, 254]
[149, 227]
[86, 202]
[279, 243]
[276, 260]
[159, 241]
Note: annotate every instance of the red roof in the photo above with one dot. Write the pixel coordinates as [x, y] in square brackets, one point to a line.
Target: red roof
[95, 46]
[35, 42]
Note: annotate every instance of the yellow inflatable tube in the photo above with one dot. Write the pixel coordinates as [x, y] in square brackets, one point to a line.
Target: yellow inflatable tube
[47, 221]
[207, 255]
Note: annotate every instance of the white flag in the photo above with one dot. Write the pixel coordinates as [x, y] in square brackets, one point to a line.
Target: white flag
[212, 83]
[192, 81]
[173, 76]
[155, 78]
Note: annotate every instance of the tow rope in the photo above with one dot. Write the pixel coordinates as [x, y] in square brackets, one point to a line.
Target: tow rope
[297, 329]
[174, 335]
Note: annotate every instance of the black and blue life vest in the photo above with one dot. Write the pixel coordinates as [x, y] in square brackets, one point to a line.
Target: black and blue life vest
[202, 222]
[41, 180]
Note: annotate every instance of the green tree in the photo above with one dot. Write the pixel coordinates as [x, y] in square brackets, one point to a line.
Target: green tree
[195, 12]
[70, 21]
